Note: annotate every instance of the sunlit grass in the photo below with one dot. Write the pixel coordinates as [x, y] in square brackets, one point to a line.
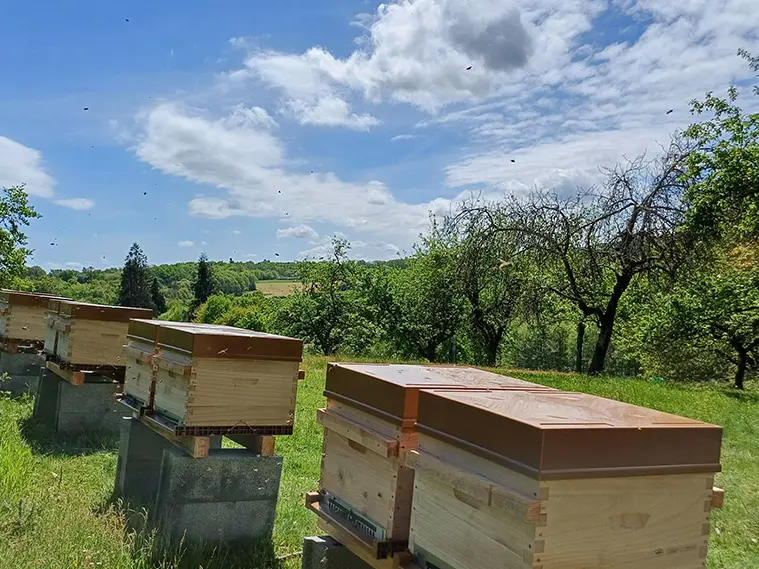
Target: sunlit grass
[55, 508]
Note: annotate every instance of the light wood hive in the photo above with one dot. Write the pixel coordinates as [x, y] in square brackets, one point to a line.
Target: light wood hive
[369, 428]
[94, 334]
[23, 315]
[51, 321]
[207, 376]
[559, 480]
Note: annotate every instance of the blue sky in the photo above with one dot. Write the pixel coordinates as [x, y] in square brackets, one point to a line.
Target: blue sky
[249, 129]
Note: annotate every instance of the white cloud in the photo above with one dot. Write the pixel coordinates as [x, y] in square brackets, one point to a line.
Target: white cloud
[236, 231]
[20, 164]
[76, 203]
[245, 159]
[298, 232]
[403, 137]
[371, 251]
[186, 243]
[329, 111]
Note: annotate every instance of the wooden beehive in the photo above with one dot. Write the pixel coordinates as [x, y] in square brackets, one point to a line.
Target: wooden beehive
[23, 316]
[208, 378]
[369, 427]
[559, 480]
[93, 334]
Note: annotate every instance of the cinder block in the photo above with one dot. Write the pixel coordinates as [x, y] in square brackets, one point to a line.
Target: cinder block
[229, 495]
[70, 408]
[138, 469]
[23, 372]
[324, 552]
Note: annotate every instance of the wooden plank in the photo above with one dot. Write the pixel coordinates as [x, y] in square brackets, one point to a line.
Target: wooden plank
[172, 366]
[637, 522]
[356, 432]
[718, 498]
[197, 447]
[263, 445]
[467, 534]
[301, 375]
[363, 479]
[478, 487]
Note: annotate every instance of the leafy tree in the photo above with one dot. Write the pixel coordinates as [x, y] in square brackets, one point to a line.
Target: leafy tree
[159, 300]
[418, 308]
[593, 245]
[203, 286]
[725, 166]
[710, 316]
[136, 280]
[15, 213]
[324, 311]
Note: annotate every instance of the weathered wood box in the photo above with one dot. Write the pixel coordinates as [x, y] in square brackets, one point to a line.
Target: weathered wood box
[557, 480]
[208, 379]
[93, 334]
[51, 328]
[23, 316]
[364, 497]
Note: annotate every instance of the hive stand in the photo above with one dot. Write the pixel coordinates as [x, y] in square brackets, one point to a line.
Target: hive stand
[22, 362]
[324, 552]
[70, 407]
[194, 489]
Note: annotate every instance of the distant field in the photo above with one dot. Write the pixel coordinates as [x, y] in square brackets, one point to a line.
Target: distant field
[276, 288]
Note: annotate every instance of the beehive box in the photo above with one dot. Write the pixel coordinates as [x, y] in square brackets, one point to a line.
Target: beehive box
[23, 316]
[214, 378]
[559, 480]
[94, 334]
[369, 427]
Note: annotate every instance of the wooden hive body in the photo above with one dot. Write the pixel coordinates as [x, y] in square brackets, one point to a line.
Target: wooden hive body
[369, 429]
[51, 329]
[201, 375]
[23, 315]
[93, 334]
[559, 480]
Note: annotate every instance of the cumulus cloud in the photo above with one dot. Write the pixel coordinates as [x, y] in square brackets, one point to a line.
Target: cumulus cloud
[329, 111]
[425, 52]
[20, 164]
[298, 232]
[186, 244]
[76, 203]
[248, 161]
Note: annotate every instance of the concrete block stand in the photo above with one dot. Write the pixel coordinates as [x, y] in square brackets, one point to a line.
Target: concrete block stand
[323, 552]
[70, 408]
[229, 495]
[23, 371]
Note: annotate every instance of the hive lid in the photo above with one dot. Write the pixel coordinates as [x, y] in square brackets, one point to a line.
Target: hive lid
[213, 341]
[87, 311]
[389, 390]
[556, 435]
[37, 299]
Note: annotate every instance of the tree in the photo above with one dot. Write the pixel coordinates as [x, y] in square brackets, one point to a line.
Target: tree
[203, 286]
[712, 314]
[136, 280]
[325, 309]
[418, 308]
[725, 166]
[592, 245]
[159, 300]
[15, 213]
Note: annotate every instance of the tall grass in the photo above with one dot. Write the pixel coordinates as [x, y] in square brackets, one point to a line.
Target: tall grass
[56, 509]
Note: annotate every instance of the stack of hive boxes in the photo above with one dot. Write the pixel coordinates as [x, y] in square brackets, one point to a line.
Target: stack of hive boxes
[474, 470]
[205, 379]
[91, 335]
[364, 498]
[22, 317]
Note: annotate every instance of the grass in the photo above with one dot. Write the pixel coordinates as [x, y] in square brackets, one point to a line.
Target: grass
[56, 510]
[276, 287]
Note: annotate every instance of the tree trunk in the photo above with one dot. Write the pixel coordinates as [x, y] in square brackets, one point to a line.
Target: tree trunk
[740, 373]
[579, 345]
[493, 342]
[429, 352]
[606, 325]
